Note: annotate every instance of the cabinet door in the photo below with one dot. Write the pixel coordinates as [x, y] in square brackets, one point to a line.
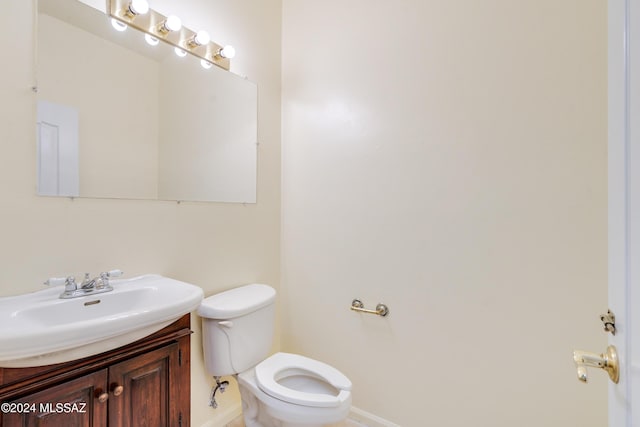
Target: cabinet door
[81, 402]
[141, 390]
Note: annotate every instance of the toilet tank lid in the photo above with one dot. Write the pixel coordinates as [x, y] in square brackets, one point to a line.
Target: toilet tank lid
[237, 302]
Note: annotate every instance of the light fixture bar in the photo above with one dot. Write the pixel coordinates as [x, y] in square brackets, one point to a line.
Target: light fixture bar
[150, 23]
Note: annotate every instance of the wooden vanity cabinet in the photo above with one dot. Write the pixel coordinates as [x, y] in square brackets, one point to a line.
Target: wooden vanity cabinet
[41, 408]
[143, 384]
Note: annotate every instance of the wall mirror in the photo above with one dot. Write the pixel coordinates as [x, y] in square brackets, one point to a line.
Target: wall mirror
[119, 118]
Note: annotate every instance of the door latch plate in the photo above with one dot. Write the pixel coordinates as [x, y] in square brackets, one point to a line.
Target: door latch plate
[609, 322]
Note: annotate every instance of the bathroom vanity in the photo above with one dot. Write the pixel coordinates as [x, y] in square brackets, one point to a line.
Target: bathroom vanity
[145, 383]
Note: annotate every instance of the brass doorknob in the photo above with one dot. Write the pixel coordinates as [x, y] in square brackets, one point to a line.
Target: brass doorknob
[607, 361]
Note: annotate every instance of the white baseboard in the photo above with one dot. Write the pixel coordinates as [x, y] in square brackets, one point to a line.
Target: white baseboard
[364, 417]
[227, 416]
[369, 419]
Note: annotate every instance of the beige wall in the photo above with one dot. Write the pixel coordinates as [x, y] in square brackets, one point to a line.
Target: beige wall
[102, 141]
[448, 158]
[213, 245]
[214, 161]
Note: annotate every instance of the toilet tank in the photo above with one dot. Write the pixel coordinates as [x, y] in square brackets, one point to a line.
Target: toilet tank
[237, 328]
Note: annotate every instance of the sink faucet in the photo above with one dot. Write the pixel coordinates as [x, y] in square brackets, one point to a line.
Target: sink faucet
[88, 286]
[99, 282]
[88, 283]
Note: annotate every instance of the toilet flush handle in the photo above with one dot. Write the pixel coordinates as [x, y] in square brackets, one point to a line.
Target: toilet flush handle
[226, 323]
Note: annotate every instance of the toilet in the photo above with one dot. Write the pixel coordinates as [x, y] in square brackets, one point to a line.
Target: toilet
[282, 390]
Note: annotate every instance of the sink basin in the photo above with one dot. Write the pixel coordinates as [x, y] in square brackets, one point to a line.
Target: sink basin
[41, 329]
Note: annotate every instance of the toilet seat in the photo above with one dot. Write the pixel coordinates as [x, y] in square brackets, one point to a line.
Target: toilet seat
[283, 365]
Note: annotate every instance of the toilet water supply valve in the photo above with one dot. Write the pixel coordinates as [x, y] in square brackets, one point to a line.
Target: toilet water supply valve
[220, 385]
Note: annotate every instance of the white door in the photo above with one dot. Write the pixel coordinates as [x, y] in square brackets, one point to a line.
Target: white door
[624, 206]
[58, 157]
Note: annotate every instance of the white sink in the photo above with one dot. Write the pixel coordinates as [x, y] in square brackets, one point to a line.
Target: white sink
[41, 329]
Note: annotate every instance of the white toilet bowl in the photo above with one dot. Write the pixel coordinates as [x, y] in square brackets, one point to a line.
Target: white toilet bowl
[283, 390]
[292, 390]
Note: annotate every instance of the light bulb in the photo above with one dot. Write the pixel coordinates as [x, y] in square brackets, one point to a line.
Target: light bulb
[137, 7]
[205, 64]
[117, 25]
[201, 38]
[180, 52]
[151, 40]
[227, 52]
[172, 23]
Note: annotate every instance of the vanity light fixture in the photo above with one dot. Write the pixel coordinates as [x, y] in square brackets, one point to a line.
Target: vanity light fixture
[169, 29]
[135, 8]
[201, 38]
[117, 25]
[172, 23]
[205, 64]
[152, 41]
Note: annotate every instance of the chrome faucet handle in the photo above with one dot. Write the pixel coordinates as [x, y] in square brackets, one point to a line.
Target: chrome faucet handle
[105, 276]
[68, 282]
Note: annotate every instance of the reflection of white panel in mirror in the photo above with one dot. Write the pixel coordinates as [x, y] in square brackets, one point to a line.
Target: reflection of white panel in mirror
[151, 125]
[57, 150]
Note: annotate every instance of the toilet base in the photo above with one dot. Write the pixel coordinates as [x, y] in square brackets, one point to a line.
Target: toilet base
[262, 410]
[256, 414]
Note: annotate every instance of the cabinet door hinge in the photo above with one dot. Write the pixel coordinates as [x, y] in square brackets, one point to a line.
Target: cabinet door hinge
[180, 419]
[179, 357]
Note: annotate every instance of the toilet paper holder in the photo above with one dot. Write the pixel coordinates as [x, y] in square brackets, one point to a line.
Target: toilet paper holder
[381, 309]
